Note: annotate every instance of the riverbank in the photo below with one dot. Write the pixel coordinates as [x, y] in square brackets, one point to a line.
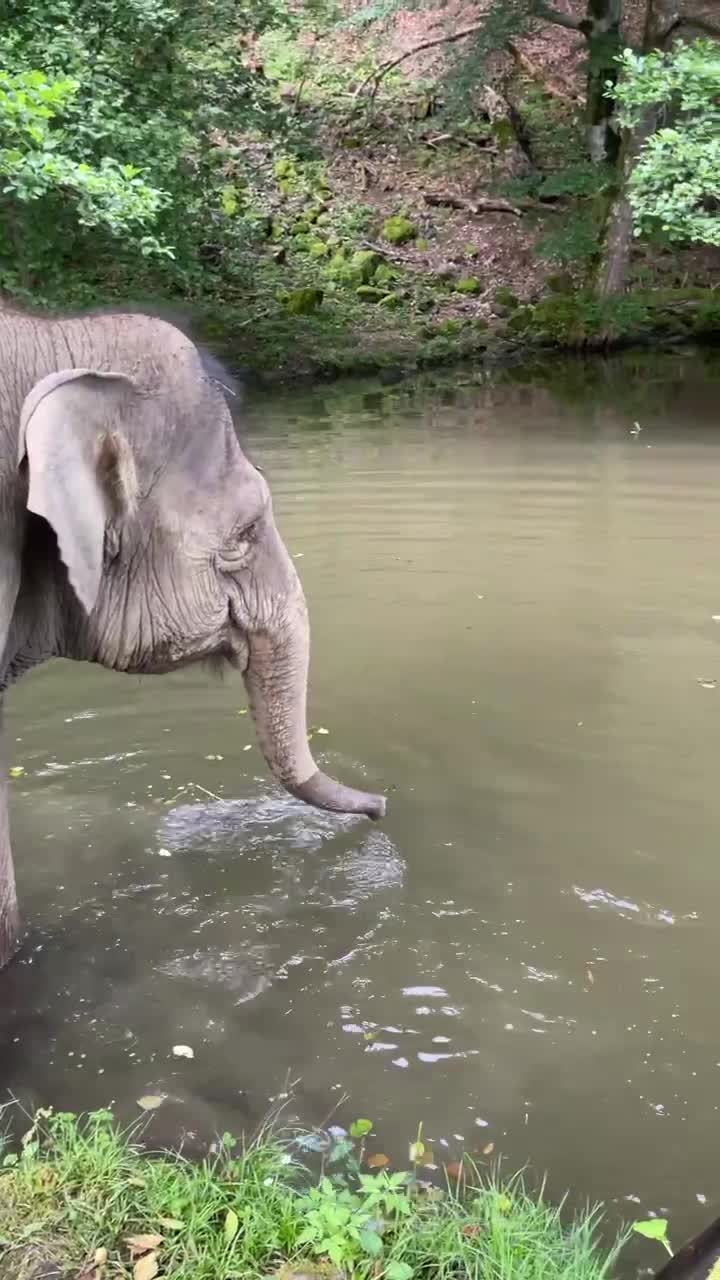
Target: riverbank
[81, 1200]
[278, 350]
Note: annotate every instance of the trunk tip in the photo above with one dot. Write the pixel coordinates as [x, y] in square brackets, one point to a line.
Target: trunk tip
[325, 793]
[376, 807]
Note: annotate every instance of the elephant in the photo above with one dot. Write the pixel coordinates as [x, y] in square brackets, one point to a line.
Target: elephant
[136, 533]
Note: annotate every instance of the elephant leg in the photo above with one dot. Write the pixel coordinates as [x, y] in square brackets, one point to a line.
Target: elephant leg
[9, 916]
[9, 586]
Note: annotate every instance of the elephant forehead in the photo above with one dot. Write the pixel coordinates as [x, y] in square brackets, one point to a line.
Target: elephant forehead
[217, 492]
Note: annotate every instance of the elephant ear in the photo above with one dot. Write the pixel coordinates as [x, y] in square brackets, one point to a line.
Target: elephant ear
[81, 467]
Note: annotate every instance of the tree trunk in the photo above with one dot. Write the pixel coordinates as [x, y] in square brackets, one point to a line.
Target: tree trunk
[601, 28]
[615, 263]
[661, 18]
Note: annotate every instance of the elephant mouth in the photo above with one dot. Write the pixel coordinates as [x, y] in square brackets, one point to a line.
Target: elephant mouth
[217, 660]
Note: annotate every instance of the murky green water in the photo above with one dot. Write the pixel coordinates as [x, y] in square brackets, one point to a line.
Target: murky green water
[512, 593]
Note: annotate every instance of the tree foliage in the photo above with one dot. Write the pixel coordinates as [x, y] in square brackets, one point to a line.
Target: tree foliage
[675, 184]
[115, 118]
[36, 169]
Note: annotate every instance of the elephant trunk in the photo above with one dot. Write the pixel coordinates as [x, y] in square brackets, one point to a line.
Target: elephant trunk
[276, 682]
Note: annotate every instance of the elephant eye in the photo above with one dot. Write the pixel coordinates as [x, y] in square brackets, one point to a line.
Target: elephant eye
[234, 554]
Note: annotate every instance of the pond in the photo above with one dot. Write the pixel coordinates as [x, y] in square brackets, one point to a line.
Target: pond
[515, 596]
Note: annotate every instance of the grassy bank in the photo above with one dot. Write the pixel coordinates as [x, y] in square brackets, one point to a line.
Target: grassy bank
[82, 1201]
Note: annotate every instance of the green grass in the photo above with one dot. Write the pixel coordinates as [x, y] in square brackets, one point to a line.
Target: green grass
[78, 1189]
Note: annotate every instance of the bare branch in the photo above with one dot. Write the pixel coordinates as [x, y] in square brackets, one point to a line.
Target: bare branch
[553, 84]
[482, 204]
[376, 76]
[488, 204]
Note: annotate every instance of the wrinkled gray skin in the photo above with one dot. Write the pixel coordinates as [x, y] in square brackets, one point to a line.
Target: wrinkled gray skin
[136, 534]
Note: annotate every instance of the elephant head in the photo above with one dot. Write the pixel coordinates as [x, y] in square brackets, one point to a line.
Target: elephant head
[172, 554]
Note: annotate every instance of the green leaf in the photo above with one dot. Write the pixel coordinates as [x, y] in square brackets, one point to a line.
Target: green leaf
[232, 1226]
[398, 1271]
[652, 1228]
[371, 1243]
[360, 1128]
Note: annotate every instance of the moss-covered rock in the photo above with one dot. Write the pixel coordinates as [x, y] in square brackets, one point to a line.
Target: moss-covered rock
[369, 293]
[398, 229]
[385, 274]
[318, 249]
[300, 302]
[391, 301]
[364, 263]
[468, 284]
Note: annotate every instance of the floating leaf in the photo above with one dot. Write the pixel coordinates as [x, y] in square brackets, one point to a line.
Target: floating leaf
[146, 1268]
[243, 711]
[232, 1226]
[590, 976]
[143, 1243]
[248, 746]
[360, 1128]
[323, 732]
[488, 1150]
[17, 771]
[653, 1229]
[171, 1224]
[183, 1051]
[151, 1101]
[378, 1161]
